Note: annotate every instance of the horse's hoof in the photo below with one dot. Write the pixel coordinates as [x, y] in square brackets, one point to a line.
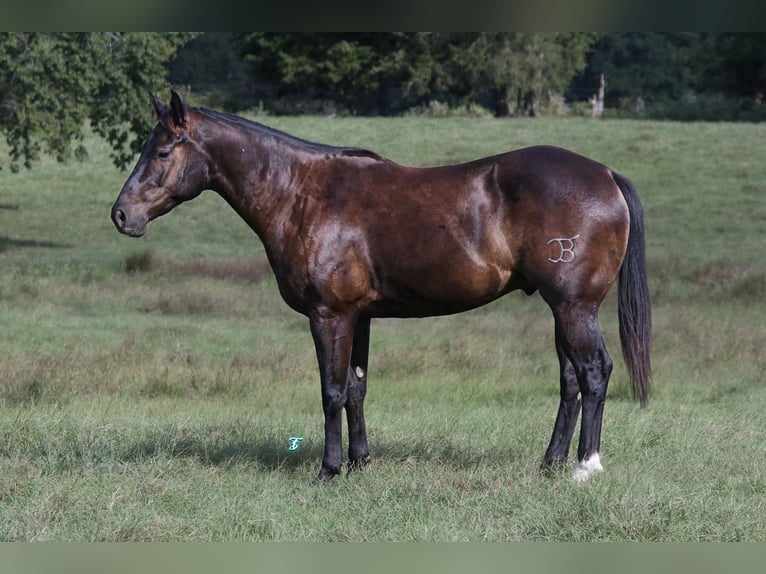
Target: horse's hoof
[326, 475]
[358, 464]
[552, 467]
[587, 468]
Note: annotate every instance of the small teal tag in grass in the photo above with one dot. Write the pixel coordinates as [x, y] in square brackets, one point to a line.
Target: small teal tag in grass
[295, 443]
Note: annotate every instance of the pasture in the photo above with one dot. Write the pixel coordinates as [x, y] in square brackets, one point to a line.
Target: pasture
[148, 388]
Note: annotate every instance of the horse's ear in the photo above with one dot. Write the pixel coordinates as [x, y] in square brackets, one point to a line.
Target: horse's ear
[159, 106]
[179, 110]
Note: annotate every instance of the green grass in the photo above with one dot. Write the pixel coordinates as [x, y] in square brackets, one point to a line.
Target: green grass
[148, 387]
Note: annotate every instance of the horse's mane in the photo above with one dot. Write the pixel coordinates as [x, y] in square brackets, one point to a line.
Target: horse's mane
[292, 140]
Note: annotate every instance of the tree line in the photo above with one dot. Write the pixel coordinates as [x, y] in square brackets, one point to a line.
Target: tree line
[52, 84]
[711, 76]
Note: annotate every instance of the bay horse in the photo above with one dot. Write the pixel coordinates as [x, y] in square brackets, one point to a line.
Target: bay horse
[351, 235]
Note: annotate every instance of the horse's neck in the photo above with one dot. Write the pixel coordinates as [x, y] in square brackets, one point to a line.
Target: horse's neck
[254, 174]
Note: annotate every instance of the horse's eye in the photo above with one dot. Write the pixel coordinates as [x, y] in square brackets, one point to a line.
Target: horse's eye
[163, 154]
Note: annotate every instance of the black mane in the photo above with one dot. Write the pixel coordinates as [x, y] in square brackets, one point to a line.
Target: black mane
[316, 147]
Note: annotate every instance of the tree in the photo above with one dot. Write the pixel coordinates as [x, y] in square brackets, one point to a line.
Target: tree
[679, 75]
[646, 65]
[741, 65]
[51, 84]
[212, 68]
[389, 72]
[351, 70]
[521, 64]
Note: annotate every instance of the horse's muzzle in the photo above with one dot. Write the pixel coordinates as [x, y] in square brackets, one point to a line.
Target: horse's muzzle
[134, 227]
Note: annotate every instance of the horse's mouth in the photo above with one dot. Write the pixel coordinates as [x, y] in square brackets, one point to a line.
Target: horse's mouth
[133, 232]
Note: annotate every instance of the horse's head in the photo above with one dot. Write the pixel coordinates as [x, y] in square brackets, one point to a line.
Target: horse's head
[173, 168]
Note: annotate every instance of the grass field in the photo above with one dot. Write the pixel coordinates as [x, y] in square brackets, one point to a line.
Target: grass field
[148, 387]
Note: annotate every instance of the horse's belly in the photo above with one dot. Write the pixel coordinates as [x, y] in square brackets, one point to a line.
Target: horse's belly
[439, 290]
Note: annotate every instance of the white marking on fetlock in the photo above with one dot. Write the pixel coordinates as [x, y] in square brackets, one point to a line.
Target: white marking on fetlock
[587, 467]
[359, 371]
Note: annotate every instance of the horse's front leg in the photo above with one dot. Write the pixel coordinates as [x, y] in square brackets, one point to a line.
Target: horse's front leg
[358, 449]
[333, 338]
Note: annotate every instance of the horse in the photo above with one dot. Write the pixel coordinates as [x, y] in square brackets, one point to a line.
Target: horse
[352, 236]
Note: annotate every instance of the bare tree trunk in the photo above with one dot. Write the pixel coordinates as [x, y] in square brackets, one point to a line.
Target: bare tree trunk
[502, 106]
[760, 90]
[531, 103]
[597, 101]
[527, 103]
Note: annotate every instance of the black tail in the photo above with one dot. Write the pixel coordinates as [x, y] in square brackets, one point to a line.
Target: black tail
[634, 305]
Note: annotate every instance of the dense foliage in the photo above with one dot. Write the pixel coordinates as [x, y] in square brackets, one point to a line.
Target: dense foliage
[389, 73]
[51, 84]
[678, 75]
[681, 75]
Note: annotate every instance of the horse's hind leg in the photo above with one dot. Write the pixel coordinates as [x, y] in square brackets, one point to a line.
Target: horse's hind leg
[579, 338]
[358, 449]
[569, 410]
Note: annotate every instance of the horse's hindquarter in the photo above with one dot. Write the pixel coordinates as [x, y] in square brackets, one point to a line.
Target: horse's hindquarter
[568, 218]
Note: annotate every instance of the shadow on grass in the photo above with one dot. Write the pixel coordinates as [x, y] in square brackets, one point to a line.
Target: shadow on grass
[450, 453]
[268, 454]
[7, 243]
[217, 447]
[240, 445]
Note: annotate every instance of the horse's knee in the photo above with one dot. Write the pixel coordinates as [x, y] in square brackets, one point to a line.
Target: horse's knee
[334, 398]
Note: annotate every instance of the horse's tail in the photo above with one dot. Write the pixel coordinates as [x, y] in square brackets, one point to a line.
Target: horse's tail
[634, 307]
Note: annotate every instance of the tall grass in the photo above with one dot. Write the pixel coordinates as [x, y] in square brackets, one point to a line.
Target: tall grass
[148, 387]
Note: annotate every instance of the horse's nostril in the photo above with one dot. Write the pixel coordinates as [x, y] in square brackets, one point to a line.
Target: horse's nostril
[120, 218]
